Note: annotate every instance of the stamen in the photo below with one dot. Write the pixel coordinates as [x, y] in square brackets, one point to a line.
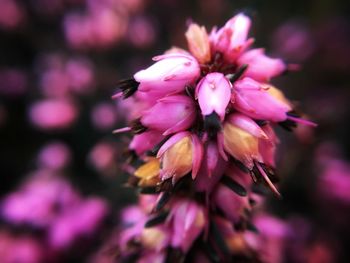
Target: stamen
[267, 180]
[117, 95]
[120, 130]
[302, 121]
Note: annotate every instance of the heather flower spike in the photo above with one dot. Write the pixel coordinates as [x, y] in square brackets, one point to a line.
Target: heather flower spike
[203, 137]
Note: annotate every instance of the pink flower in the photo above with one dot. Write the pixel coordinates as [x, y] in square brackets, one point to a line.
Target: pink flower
[202, 175]
[23, 248]
[34, 202]
[241, 139]
[334, 182]
[212, 168]
[233, 203]
[170, 114]
[104, 116]
[145, 141]
[55, 155]
[214, 92]
[53, 114]
[254, 100]
[294, 41]
[267, 147]
[231, 39]
[102, 156]
[188, 220]
[230, 203]
[170, 74]
[179, 155]
[12, 14]
[81, 75]
[141, 32]
[260, 66]
[82, 220]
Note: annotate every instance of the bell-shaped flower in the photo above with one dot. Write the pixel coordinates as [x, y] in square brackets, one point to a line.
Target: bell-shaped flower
[230, 202]
[170, 114]
[260, 66]
[170, 74]
[214, 94]
[145, 141]
[267, 148]
[188, 220]
[231, 39]
[198, 42]
[254, 100]
[211, 170]
[234, 240]
[241, 139]
[148, 173]
[155, 238]
[179, 155]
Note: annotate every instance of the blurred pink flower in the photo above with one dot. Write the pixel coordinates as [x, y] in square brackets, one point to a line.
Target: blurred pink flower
[100, 28]
[270, 241]
[103, 156]
[141, 32]
[55, 155]
[293, 41]
[334, 181]
[220, 110]
[170, 74]
[104, 116]
[12, 14]
[52, 114]
[21, 249]
[39, 200]
[61, 76]
[81, 75]
[81, 220]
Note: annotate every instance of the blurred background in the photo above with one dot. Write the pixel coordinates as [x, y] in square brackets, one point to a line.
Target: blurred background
[62, 168]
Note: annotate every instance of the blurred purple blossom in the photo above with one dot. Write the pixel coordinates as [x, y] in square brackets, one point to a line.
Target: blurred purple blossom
[53, 114]
[54, 155]
[12, 14]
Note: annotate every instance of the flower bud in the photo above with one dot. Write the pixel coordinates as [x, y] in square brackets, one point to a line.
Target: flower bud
[198, 42]
[231, 39]
[170, 74]
[241, 144]
[179, 155]
[145, 141]
[170, 114]
[155, 238]
[188, 220]
[260, 66]
[254, 100]
[148, 173]
[214, 93]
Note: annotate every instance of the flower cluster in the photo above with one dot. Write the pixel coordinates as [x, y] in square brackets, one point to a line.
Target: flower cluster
[48, 203]
[203, 126]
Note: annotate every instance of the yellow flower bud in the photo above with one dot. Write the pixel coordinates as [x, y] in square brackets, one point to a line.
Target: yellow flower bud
[153, 237]
[177, 160]
[198, 42]
[241, 145]
[148, 173]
